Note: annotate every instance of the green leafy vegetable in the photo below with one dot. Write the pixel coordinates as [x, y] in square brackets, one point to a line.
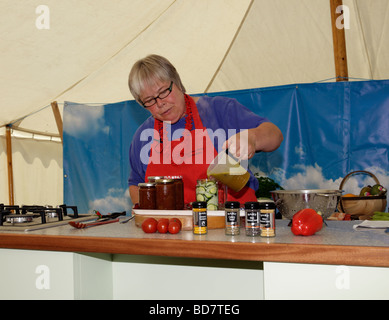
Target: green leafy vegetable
[266, 185]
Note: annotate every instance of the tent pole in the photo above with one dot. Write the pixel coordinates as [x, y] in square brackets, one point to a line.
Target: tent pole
[9, 166]
[58, 119]
[339, 41]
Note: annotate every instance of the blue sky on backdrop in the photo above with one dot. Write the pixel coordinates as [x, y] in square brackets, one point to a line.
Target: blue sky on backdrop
[324, 139]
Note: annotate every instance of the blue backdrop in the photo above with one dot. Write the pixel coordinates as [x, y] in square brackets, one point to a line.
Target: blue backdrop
[330, 129]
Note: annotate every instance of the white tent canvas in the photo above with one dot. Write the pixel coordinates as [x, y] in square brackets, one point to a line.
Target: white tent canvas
[82, 51]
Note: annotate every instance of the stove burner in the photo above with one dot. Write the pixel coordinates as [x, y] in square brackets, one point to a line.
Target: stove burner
[24, 214]
[19, 218]
[51, 214]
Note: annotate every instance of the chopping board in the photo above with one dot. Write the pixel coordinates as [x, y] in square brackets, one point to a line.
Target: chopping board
[215, 218]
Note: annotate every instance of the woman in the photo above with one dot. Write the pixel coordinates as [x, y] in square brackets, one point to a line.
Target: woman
[176, 139]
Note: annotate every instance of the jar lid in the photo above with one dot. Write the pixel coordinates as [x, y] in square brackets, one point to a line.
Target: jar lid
[232, 204]
[251, 205]
[199, 204]
[164, 181]
[174, 177]
[267, 205]
[205, 180]
[146, 184]
[154, 178]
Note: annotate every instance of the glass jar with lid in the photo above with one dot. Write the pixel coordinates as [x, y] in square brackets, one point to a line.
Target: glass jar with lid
[179, 187]
[200, 219]
[232, 218]
[165, 194]
[207, 191]
[147, 195]
[252, 219]
[267, 217]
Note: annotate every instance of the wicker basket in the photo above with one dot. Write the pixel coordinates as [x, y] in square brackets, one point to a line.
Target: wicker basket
[361, 207]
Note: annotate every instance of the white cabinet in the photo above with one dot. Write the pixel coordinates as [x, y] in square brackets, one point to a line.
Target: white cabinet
[148, 277]
[34, 274]
[318, 281]
[30, 274]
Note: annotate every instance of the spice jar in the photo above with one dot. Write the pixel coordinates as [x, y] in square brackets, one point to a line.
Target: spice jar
[147, 195]
[199, 211]
[165, 194]
[267, 217]
[252, 219]
[232, 217]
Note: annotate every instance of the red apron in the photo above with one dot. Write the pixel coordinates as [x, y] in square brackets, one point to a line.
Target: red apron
[186, 158]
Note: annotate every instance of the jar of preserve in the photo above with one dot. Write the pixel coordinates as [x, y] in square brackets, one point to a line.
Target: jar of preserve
[147, 195]
[179, 187]
[166, 194]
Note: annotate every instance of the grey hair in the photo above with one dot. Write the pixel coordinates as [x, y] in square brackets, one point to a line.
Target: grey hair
[147, 71]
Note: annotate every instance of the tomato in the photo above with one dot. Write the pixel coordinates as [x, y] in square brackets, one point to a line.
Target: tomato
[163, 225]
[174, 227]
[176, 220]
[149, 225]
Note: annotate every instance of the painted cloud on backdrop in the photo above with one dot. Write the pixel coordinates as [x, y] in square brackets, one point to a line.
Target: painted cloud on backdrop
[311, 177]
[82, 122]
[116, 200]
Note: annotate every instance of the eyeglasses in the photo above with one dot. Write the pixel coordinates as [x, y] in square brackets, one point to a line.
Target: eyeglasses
[162, 95]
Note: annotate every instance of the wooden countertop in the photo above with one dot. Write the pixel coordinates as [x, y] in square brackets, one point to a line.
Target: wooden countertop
[337, 243]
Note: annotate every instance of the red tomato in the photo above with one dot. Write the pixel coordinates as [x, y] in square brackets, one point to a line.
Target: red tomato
[163, 225]
[174, 227]
[149, 225]
[176, 220]
[347, 217]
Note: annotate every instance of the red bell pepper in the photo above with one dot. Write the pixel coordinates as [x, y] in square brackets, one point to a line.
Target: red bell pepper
[306, 222]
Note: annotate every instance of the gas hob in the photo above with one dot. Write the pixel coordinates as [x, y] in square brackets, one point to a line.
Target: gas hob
[35, 217]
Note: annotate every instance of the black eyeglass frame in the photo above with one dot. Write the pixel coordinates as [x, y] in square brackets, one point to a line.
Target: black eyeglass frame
[160, 96]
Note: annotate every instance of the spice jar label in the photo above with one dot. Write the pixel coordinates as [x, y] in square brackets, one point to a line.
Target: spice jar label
[231, 217]
[199, 221]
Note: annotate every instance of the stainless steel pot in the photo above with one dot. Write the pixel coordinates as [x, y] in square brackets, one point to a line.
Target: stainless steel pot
[322, 201]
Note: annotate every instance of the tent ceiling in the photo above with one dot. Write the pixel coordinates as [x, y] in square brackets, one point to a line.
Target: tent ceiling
[216, 45]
